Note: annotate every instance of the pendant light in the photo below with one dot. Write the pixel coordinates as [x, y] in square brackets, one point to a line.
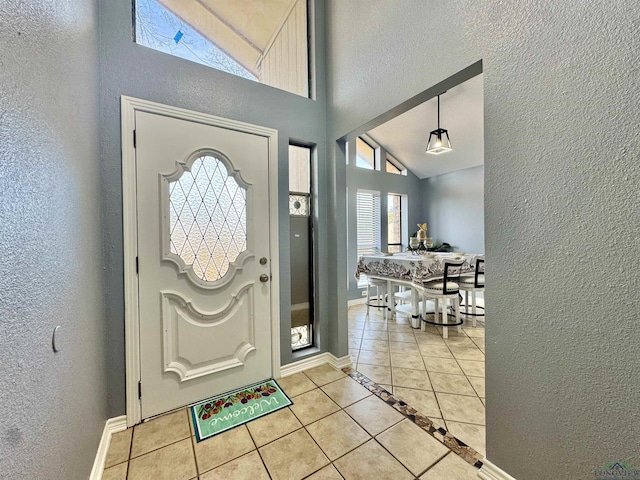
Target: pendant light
[439, 138]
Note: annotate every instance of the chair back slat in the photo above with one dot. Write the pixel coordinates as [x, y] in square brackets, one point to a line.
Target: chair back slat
[479, 272]
[452, 270]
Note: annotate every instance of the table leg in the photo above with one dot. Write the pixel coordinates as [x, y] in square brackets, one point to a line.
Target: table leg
[415, 316]
[391, 301]
[445, 317]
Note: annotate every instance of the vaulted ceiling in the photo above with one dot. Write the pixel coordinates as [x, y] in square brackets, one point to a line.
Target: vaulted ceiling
[461, 112]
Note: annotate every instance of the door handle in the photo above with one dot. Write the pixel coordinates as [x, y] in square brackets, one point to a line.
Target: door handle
[264, 278]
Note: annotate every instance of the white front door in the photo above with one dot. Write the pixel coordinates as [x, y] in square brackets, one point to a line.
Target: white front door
[203, 248]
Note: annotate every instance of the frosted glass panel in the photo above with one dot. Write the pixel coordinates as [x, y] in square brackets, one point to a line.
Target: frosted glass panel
[208, 218]
[299, 166]
[299, 205]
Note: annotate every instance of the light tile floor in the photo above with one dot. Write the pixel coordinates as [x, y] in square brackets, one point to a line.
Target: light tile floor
[335, 429]
[442, 379]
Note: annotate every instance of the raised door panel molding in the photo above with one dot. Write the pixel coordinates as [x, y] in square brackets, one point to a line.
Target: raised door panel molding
[188, 334]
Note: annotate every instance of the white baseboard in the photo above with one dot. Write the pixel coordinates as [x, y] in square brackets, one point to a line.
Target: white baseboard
[113, 425]
[490, 472]
[357, 301]
[315, 361]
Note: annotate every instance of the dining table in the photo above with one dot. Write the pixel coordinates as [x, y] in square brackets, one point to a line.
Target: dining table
[411, 270]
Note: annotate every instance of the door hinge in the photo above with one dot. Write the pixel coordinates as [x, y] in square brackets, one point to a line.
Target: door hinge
[139, 390]
[137, 266]
[134, 139]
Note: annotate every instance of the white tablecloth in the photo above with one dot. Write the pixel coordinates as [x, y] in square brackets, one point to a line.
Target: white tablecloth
[409, 267]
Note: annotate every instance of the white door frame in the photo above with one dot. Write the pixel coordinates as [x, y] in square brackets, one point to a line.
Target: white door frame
[129, 107]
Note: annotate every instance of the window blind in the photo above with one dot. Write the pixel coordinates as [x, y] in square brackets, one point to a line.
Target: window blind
[368, 222]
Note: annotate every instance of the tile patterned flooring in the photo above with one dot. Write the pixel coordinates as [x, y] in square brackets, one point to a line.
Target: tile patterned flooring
[336, 428]
[442, 379]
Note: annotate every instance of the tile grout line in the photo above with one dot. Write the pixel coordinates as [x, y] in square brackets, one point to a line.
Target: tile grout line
[374, 438]
[416, 416]
[130, 450]
[193, 446]
[371, 437]
[451, 452]
[326, 416]
[256, 445]
[160, 448]
[452, 356]
[464, 373]
[467, 376]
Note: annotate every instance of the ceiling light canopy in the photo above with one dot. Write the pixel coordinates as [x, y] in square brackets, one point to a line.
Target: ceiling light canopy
[439, 138]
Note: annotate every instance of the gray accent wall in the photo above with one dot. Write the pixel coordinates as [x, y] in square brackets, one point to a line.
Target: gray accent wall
[384, 183]
[562, 143]
[130, 69]
[454, 208]
[53, 404]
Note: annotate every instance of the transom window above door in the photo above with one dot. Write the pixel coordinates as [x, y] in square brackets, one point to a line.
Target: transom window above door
[261, 40]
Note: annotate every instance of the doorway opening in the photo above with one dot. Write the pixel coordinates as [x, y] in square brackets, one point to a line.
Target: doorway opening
[441, 377]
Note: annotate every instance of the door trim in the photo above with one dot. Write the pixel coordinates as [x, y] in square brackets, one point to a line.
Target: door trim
[129, 107]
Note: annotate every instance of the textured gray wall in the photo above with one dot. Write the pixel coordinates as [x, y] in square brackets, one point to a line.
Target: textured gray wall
[130, 69]
[562, 213]
[454, 206]
[53, 404]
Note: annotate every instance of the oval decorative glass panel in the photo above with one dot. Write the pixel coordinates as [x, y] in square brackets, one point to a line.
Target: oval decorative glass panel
[208, 218]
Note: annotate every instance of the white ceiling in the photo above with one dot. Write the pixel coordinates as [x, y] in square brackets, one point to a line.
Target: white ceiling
[461, 113]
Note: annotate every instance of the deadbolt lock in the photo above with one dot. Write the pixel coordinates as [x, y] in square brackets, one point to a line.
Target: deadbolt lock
[263, 261]
[264, 278]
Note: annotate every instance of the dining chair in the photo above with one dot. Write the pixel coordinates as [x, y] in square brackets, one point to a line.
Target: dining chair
[402, 298]
[473, 283]
[442, 291]
[403, 294]
[379, 301]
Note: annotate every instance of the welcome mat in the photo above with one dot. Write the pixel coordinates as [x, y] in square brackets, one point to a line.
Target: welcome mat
[223, 412]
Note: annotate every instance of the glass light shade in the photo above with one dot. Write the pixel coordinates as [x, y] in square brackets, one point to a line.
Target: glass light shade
[439, 142]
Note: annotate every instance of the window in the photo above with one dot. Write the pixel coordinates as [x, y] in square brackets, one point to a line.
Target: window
[391, 168]
[301, 246]
[367, 224]
[299, 180]
[365, 155]
[395, 167]
[267, 43]
[394, 233]
[219, 203]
